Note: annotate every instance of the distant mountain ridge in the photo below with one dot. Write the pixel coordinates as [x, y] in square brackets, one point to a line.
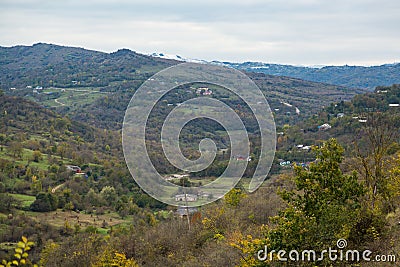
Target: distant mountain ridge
[348, 76]
[95, 87]
[43, 56]
[360, 77]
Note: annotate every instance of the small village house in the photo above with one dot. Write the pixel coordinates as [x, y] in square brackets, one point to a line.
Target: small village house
[185, 197]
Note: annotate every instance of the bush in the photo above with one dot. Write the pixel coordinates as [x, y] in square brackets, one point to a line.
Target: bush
[44, 202]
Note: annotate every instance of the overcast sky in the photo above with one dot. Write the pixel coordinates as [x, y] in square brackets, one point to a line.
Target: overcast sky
[300, 32]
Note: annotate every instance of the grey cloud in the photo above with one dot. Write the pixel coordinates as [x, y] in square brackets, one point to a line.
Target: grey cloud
[287, 31]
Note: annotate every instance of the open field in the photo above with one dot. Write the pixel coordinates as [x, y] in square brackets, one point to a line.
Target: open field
[26, 158]
[26, 200]
[82, 220]
[71, 96]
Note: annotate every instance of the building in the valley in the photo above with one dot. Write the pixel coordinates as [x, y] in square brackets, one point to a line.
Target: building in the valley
[185, 197]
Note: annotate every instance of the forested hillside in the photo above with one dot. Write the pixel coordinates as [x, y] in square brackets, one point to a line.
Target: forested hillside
[52, 168]
[52, 65]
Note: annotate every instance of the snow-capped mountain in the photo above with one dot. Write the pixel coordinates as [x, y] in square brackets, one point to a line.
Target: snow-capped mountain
[178, 57]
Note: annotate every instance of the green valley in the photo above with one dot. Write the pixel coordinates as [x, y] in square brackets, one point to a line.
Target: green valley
[65, 186]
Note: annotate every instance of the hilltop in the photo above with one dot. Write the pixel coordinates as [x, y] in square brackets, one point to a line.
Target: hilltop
[49, 65]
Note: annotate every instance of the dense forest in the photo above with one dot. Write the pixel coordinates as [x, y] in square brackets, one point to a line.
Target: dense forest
[68, 199]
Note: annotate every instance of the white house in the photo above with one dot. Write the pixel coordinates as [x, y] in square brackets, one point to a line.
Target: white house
[73, 168]
[324, 127]
[203, 91]
[185, 197]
